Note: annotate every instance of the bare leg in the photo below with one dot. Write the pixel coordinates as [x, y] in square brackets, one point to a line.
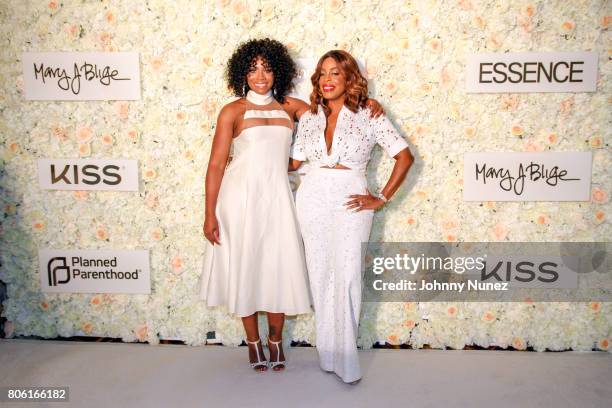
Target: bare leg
[252, 334]
[276, 321]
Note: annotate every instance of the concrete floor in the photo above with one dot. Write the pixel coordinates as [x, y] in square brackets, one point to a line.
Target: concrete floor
[139, 375]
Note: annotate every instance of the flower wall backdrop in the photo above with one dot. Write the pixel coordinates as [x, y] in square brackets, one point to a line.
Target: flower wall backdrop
[415, 53]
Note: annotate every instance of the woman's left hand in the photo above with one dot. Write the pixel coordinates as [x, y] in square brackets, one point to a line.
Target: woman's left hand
[364, 202]
[376, 108]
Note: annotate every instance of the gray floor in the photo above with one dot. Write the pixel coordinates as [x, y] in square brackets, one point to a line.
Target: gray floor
[139, 375]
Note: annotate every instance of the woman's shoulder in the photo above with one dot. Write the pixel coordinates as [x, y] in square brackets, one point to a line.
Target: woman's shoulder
[294, 106]
[364, 113]
[233, 109]
[294, 102]
[361, 114]
[309, 116]
[239, 103]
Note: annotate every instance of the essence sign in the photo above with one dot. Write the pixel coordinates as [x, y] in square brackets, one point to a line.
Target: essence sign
[532, 72]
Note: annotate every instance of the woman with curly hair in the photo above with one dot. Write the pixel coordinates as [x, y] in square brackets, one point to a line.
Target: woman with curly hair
[337, 135]
[254, 258]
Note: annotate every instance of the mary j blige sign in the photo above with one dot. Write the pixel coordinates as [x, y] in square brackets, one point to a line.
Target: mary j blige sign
[542, 176]
[88, 174]
[532, 72]
[94, 271]
[81, 75]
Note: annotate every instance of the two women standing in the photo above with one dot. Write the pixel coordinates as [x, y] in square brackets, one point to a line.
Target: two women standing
[254, 261]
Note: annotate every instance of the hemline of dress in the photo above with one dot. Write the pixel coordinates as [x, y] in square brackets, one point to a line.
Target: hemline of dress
[288, 313]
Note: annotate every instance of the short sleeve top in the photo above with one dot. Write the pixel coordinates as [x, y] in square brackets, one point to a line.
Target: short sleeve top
[354, 138]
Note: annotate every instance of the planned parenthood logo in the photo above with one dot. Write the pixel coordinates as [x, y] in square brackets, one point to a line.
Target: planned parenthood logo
[94, 271]
[58, 266]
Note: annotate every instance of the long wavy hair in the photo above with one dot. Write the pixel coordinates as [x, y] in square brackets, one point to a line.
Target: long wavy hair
[356, 85]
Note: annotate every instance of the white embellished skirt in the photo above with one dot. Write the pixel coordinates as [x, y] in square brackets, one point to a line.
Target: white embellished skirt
[332, 239]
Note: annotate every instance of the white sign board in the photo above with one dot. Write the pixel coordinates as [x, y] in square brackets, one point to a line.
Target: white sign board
[83, 76]
[88, 174]
[94, 271]
[530, 271]
[546, 176]
[532, 72]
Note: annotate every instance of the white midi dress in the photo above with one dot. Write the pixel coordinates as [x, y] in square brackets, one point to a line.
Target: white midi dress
[260, 264]
[332, 233]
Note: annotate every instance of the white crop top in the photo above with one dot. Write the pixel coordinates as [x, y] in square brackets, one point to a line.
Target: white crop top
[354, 137]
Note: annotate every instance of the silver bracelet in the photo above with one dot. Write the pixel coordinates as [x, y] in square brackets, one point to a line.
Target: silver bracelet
[382, 197]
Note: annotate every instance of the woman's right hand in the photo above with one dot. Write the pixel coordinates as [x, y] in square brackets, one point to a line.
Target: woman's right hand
[211, 230]
[219, 153]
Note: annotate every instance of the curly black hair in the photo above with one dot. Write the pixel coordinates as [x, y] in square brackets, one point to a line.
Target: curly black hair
[274, 54]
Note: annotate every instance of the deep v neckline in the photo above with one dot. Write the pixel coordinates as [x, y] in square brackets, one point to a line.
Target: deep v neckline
[329, 152]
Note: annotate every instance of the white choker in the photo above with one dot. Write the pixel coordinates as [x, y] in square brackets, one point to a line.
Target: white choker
[259, 99]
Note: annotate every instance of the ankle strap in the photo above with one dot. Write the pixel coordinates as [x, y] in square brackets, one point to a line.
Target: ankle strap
[253, 342]
[274, 342]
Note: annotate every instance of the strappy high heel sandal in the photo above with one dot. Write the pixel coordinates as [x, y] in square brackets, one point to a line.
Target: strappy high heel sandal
[278, 361]
[259, 362]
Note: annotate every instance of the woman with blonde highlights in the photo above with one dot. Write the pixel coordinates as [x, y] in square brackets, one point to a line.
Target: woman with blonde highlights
[337, 136]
